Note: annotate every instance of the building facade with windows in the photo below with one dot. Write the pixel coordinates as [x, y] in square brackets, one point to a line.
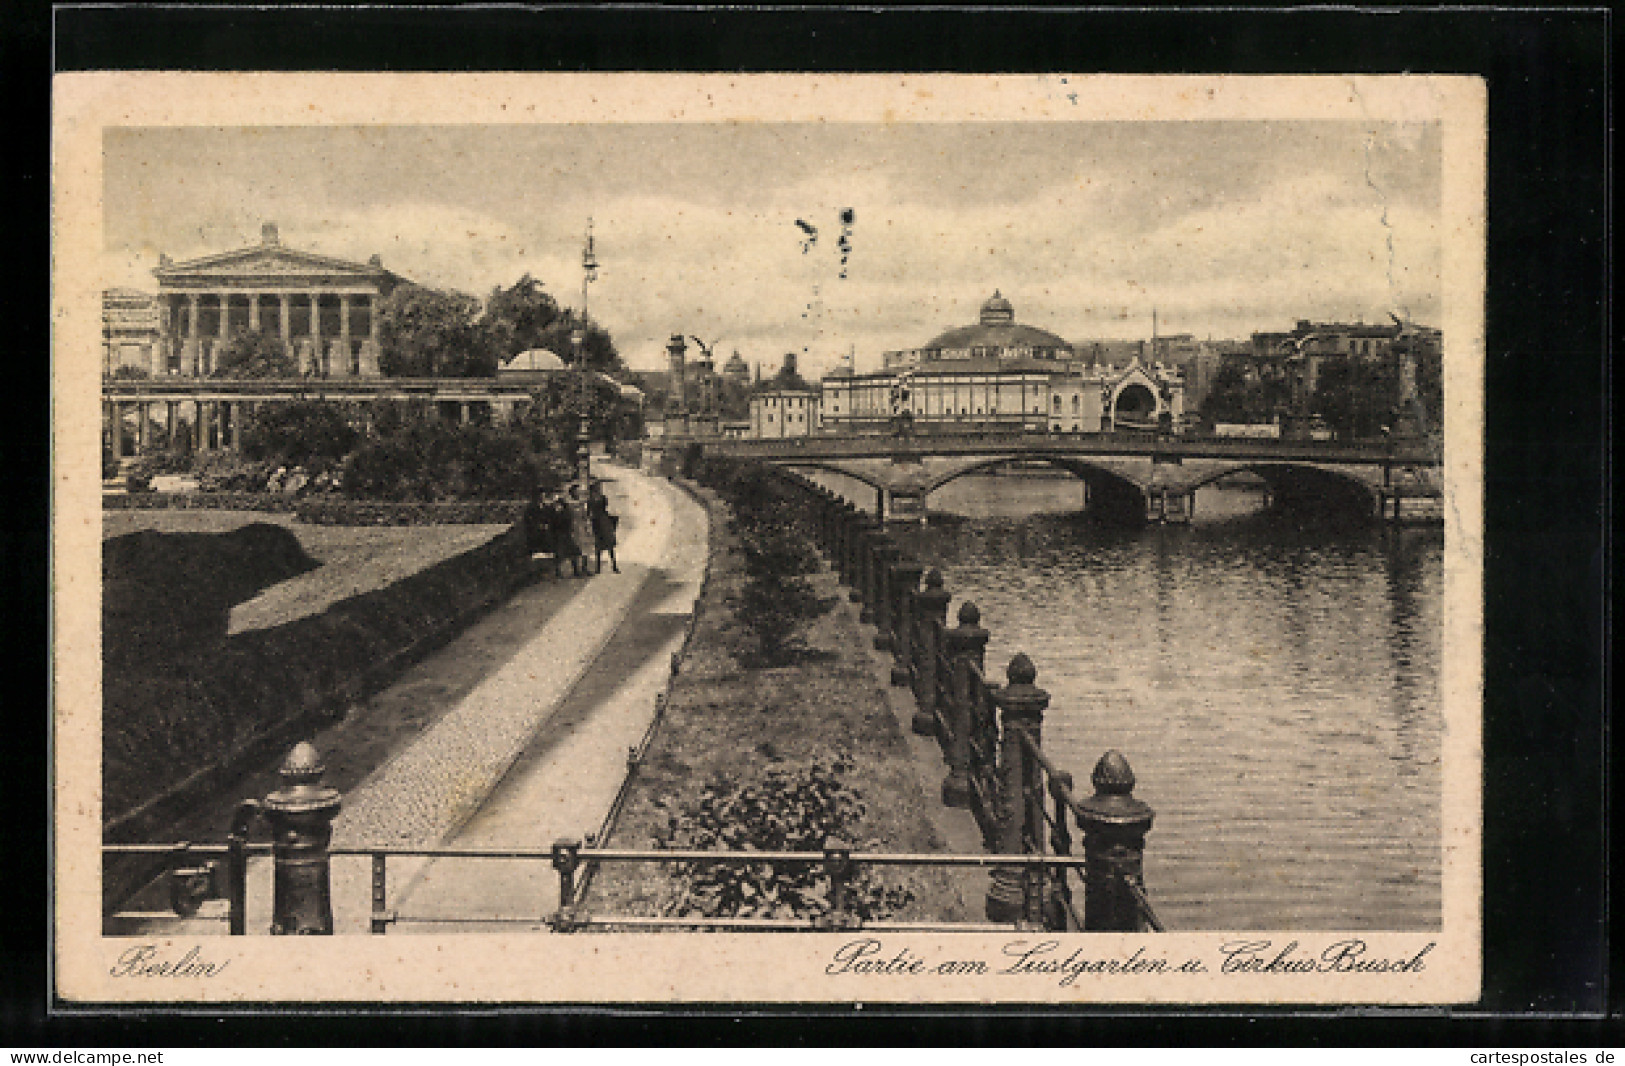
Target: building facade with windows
[776, 413]
[130, 335]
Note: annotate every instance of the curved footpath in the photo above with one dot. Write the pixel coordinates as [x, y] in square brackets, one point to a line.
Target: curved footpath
[537, 749]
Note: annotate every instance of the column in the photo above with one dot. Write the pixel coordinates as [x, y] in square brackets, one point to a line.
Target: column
[344, 368]
[236, 425]
[254, 311]
[369, 347]
[225, 331]
[318, 358]
[282, 300]
[169, 422]
[141, 442]
[190, 346]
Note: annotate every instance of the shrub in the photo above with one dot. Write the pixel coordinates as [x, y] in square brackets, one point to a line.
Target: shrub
[773, 607]
[786, 808]
[307, 433]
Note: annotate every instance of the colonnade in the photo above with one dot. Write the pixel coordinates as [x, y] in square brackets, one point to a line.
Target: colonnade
[317, 353]
[217, 423]
[214, 424]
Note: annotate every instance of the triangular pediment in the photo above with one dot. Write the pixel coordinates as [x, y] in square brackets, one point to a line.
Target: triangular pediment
[267, 261]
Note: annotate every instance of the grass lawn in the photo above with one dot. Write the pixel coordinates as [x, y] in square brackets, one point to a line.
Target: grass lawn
[354, 559]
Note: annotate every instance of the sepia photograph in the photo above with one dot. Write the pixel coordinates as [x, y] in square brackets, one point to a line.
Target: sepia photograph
[781, 538]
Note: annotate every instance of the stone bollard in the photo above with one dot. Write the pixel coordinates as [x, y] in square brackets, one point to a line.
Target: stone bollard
[1114, 826]
[862, 531]
[905, 586]
[301, 814]
[1015, 894]
[887, 557]
[931, 614]
[966, 646]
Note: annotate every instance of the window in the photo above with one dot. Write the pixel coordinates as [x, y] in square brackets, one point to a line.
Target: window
[1057, 404]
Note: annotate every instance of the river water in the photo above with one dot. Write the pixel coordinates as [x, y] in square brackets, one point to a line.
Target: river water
[1275, 689]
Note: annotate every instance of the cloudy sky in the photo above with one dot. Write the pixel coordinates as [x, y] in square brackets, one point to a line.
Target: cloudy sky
[1222, 227]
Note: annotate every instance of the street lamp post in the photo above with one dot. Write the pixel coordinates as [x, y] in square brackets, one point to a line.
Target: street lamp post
[584, 397]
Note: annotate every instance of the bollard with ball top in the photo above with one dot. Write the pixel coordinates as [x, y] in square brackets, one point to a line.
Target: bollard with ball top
[1114, 826]
[931, 608]
[905, 587]
[301, 815]
[1015, 894]
[966, 646]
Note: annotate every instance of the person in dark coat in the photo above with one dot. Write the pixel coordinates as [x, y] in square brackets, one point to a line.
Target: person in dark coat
[564, 540]
[603, 529]
[534, 522]
[580, 529]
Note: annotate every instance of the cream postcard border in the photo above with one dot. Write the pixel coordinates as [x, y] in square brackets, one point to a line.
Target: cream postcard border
[726, 967]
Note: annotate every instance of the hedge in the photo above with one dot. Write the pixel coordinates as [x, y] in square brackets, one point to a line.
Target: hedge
[199, 501]
[327, 509]
[332, 511]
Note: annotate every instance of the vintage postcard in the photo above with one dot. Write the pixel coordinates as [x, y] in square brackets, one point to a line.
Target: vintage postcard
[653, 539]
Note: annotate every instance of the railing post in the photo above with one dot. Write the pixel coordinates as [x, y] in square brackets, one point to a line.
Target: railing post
[905, 584]
[566, 858]
[838, 867]
[381, 917]
[966, 646]
[1114, 826]
[237, 865]
[1021, 706]
[301, 814]
[1057, 913]
[931, 610]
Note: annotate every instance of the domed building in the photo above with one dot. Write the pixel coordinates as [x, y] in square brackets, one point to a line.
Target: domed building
[999, 375]
[995, 335]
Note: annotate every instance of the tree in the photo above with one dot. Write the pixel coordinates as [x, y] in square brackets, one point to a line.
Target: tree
[129, 373]
[429, 333]
[597, 347]
[519, 317]
[300, 433]
[253, 354]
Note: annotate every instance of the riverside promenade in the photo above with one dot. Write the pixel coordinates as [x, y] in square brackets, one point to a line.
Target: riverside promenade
[537, 749]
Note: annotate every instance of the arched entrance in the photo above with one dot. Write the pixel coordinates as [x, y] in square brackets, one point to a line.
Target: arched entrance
[1135, 404]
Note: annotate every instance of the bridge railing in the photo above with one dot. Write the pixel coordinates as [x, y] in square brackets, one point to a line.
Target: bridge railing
[991, 739]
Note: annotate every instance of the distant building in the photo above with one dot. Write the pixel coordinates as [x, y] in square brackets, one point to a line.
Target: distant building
[131, 338]
[789, 412]
[1000, 375]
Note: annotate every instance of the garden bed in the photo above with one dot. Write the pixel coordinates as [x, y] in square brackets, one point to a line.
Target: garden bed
[741, 727]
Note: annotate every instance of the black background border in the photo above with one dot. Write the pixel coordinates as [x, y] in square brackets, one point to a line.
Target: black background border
[1547, 491]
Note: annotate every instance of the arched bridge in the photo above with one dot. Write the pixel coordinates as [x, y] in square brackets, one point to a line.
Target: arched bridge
[1134, 478]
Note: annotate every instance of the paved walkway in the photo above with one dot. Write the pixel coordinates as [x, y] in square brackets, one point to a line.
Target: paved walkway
[537, 749]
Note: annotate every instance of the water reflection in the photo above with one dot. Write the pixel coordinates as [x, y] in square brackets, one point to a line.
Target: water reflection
[1276, 688]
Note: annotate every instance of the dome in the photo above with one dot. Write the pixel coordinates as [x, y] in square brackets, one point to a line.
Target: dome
[533, 360]
[998, 311]
[998, 328]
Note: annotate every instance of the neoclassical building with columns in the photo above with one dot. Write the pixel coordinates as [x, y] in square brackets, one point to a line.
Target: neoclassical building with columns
[324, 309]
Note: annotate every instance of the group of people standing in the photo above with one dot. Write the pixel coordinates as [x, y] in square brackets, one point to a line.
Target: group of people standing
[561, 524]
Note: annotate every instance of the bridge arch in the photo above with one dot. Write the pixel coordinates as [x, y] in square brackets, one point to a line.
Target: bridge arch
[1111, 494]
[868, 478]
[1305, 488]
